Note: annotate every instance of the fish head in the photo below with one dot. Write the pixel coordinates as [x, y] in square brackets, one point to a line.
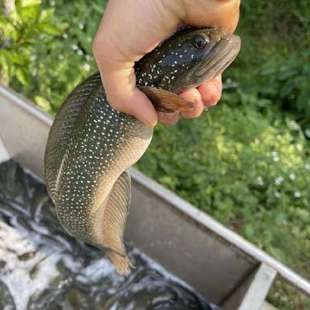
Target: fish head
[188, 58]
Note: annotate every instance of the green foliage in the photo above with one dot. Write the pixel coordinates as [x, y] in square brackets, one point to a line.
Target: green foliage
[285, 297]
[278, 19]
[245, 162]
[287, 84]
[248, 174]
[274, 62]
[42, 56]
[20, 30]
[281, 81]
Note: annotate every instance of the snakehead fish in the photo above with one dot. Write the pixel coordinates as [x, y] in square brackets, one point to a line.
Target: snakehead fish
[91, 145]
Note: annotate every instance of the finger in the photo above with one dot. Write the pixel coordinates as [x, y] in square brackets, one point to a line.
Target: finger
[193, 95]
[220, 13]
[168, 119]
[211, 91]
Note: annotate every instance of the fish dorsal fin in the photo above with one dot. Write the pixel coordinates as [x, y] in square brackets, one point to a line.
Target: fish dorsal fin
[63, 126]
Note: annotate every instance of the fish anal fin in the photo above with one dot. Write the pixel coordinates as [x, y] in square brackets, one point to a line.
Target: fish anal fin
[110, 221]
[62, 129]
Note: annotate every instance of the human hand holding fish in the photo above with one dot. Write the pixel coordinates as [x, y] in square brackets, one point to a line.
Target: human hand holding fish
[91, 144]
[132, 28]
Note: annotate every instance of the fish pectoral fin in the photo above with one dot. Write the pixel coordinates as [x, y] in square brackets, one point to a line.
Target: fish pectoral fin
[110, 221]
[166, 101]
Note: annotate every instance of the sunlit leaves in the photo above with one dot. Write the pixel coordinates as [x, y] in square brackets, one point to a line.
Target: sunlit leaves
[26, 26]
[28, 12]
[43, 103]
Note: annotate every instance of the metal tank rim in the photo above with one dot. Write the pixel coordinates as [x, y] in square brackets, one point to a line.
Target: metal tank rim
[243, 274]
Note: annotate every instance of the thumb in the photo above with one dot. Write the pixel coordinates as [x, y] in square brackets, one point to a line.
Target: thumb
[124, 96]
[119, 81]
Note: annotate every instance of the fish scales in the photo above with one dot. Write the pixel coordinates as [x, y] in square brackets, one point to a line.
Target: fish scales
[91, 145]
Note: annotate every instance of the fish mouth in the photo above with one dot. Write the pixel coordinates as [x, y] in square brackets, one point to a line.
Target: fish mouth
[219, 55]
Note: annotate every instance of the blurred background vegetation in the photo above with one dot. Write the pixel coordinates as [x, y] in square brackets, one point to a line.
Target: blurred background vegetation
[245, 162]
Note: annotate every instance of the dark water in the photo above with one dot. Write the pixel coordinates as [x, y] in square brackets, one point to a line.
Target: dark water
[43, 268]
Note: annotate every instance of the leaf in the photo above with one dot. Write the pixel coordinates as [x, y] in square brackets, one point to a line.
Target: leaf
[30, 14]
[22, 76]
[16, 57]
[46, 15]
[7, 29]
[30, 2]
[43, 103]
[49, 29]
[4, 70]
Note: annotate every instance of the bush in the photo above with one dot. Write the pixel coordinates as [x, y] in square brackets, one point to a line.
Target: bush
[274, 62]
[25, 28]
[41, 56]
[286, 83]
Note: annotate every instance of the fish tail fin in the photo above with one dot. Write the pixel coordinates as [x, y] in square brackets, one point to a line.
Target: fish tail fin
[121, 262]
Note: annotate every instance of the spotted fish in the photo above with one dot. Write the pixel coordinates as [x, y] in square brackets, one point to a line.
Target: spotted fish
[91, 145]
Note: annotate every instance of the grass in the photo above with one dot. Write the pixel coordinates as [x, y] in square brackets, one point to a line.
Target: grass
[246, 162]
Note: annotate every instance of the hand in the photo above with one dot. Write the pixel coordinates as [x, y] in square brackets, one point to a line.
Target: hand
[131, 28]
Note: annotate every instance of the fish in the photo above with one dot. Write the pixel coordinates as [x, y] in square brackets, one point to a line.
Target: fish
[91, 145]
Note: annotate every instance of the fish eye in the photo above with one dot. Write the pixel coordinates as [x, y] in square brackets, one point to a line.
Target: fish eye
[200, 41]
